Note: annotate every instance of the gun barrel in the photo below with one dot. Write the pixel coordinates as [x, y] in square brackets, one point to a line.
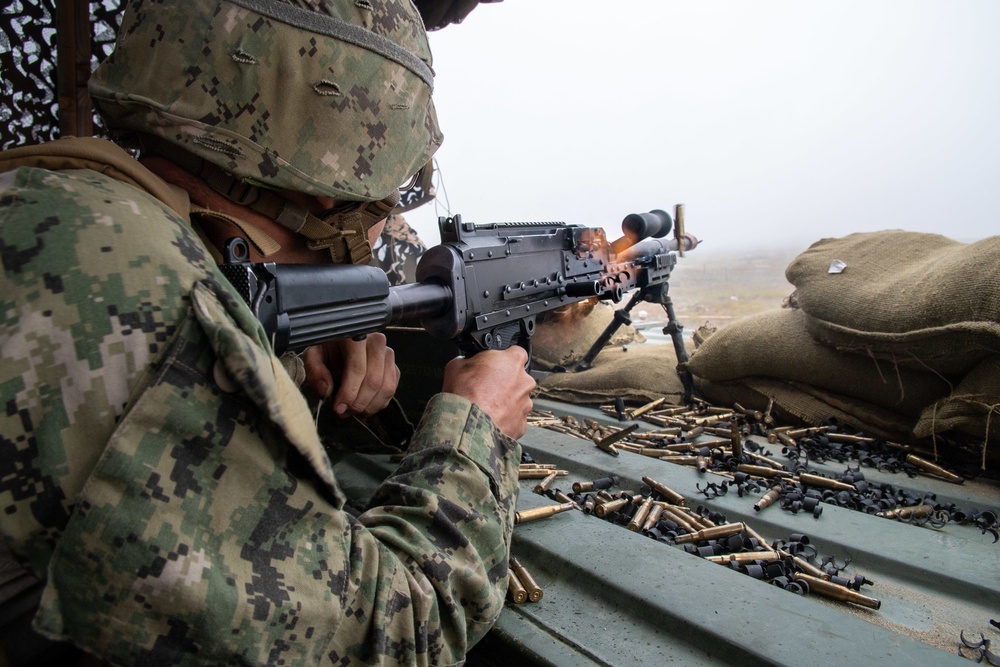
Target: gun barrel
[418, 300]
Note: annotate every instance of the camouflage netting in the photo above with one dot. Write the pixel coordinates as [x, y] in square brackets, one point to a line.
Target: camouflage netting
[903, 342]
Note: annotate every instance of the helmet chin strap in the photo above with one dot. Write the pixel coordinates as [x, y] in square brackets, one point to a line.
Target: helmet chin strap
[343, 230]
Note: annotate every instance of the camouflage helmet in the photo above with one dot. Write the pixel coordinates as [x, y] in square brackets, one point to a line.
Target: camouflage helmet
[326, 97]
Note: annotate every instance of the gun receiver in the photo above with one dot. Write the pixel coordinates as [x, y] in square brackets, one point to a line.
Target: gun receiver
[483, 286]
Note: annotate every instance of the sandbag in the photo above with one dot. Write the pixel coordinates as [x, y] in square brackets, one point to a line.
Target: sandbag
[973, 410]
[775, 344]
[800, 403]
[638, 374]
[564, 337]
[921, 300]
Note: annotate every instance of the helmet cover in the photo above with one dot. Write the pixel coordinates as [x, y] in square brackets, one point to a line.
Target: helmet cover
[326, 97]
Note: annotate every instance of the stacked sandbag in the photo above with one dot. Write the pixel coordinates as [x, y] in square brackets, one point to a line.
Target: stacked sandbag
[637, 374]
[565, 335]
[623, 369]
[921, 300]
[897, 333]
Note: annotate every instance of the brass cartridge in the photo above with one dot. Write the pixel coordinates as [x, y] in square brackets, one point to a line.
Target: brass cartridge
[816, 480]
[735, 437]
[539, 473]
[934, 469]
[745, 557]
[604, 509]
[833, 591]
[543, 512]
[670, 512]
[544, 484]
[914, 512]
[646, 408]
[639, 518]
[668, 494]
[766, 461]
[768, 498]
[654, 516]
[762, 471]
[515, 589]
[715, 533]
[534, 591]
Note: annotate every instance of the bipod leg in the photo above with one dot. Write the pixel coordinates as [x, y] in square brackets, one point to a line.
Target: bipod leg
[676, 332]
[622, 316]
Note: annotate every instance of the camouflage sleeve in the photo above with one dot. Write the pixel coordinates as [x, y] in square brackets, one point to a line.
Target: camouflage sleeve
[164, 476]
[449, 507]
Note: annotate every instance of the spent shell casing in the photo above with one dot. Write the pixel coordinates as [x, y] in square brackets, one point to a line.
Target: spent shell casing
[934, 469]
[666, 492]
[639, 518]
[833, 591]
[543, 485]
[913, 512]
[533, 590]
[543, 512]
[824, 482]
[768, 498]
[725, 530]
[604, 509]
[745, 557]
[515, 589]
[762, 471]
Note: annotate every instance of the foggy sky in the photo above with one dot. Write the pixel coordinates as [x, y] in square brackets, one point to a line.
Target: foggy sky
[773, 122]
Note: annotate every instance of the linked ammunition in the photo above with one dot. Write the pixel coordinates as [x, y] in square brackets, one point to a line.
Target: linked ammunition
[543, 512]
[831, 590]
[534, 591]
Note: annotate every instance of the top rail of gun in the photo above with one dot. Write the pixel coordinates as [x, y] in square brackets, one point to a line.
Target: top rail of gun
[487, 226]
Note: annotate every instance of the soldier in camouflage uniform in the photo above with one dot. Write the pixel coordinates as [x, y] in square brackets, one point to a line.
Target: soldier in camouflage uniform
[160, 471]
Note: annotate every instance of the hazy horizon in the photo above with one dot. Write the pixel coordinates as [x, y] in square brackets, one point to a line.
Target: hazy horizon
[775, 123]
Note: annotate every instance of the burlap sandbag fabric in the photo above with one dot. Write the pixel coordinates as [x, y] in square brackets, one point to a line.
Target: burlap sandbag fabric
[902, 341]
[637, 373]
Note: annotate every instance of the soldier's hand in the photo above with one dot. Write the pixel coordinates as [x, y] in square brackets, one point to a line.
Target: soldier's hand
[365, 372]
[497, 382]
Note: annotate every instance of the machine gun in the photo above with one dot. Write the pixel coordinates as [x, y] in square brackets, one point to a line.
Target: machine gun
[484, 286]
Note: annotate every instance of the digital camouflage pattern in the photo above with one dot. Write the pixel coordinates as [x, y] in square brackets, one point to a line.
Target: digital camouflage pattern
[159, 468]
[398, 250]
[331, 100]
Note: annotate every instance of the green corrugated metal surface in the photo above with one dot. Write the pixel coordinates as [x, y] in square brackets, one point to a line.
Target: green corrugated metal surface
[614, 597]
